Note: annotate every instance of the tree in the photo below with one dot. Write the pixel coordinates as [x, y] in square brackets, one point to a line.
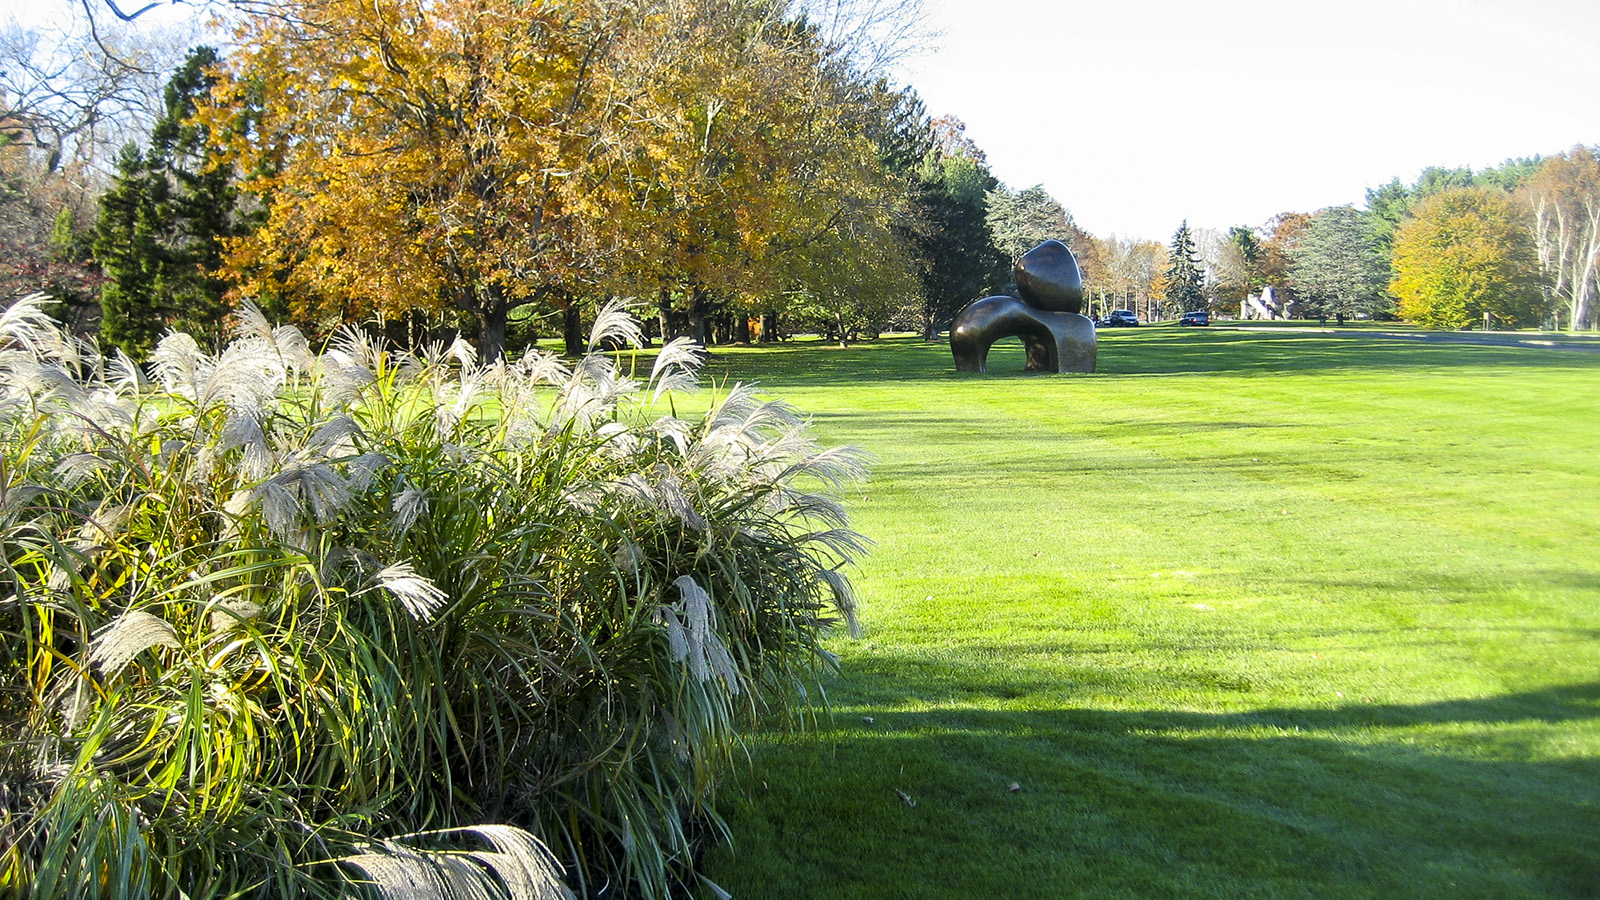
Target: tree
[475, 154]
[1129, 272]
[1389, 204]
[1283, 234]
[42, 218]
[1337, 266]
[69, 96]
[163, 223]
[443, 155]
[1023, 220]
[755, 163]
[1565, 197]
[960, 262]
[1237, 265]
[1467, 254]
[1182, 281]
[128, 242]
[75, 92]
[950, 140]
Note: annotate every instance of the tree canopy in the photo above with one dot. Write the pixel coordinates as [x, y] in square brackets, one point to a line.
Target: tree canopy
[1464, 253]
[473, 155]
[1338, 267]
[162, 224]
[1565, 196]
[1183, 282]
[1022, 220]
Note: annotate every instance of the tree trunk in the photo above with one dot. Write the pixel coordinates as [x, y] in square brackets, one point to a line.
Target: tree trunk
[492, 337]
[741, 328]
[669, 330]
[699, 309]
[572, 326]
[769, 328]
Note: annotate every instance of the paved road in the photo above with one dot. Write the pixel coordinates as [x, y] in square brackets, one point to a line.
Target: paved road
[1479, 338]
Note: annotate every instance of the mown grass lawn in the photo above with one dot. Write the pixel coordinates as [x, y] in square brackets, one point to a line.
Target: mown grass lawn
[1245, 614]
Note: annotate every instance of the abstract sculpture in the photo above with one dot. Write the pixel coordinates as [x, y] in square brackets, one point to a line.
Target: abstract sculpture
[1057, 338]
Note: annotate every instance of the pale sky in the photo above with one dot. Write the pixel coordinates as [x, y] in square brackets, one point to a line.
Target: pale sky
[1138, 114]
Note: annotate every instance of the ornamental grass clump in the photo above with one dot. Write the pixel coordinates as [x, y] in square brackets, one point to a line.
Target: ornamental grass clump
[277, 623]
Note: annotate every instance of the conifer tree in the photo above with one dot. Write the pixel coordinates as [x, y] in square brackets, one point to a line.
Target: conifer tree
[130, 249]
[1184, 283]
[162, 224]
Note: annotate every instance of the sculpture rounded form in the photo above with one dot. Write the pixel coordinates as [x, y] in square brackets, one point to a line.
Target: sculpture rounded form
[1056, 337]
[1048, 278]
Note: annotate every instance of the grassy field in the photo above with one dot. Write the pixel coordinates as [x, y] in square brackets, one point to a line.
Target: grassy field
[1245, 614]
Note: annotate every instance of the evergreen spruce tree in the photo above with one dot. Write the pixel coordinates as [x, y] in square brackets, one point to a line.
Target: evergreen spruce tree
[162, 224]
[1185, 285]
[129, 245]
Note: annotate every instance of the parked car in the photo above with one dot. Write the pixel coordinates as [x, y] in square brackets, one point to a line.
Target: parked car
[1198, 317]
[1120, 317]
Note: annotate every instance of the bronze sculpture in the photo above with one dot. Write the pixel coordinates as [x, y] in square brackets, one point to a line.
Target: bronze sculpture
[1056, 336]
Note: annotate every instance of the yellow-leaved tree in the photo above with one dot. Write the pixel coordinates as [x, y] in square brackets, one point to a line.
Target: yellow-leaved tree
[1466, 256]
[424, 154]
[474, 154]
[750, 161]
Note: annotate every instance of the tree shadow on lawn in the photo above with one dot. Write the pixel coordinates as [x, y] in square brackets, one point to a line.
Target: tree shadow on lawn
[1458, 798]
[1128, 354]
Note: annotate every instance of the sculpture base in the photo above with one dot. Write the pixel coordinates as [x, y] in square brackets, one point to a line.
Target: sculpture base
[1055, 341]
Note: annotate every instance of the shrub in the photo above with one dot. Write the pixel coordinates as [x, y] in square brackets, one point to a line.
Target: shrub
[274, 615]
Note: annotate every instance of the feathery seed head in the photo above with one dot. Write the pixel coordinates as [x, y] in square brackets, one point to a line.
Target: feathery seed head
[293, 348]
[134, 632]
[249, 322]
[180, 366]
[463, 353]
[353, 346]
[844, 597]
[76, 468]
[615, 324]
[365, 468]
[25, 325]
[542, 366]
[230, 612]
[409, 505]
[335, 437]
[420, 597]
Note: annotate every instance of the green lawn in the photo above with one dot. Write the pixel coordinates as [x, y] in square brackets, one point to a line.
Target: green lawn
[1245, 614]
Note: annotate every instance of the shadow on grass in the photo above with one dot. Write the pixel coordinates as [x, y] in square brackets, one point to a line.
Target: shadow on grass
[1128, 353]
[1459, 798]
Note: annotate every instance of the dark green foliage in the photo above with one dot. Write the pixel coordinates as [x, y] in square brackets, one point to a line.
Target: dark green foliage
[1024, 220]
[1338, 268]
[960, 262]
[130, 251]
[1184, 282]
[162, 224]
[1240, 266]
[1389, 204]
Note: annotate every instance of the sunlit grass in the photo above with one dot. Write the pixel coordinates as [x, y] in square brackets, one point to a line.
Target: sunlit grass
[1245, 614]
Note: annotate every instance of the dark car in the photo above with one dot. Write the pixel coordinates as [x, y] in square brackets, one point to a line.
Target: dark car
[1198, 317]
[1120, 317]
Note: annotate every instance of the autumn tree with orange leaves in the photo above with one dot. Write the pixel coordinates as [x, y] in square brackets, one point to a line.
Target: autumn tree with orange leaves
[476, 154]
[425, 155]
[749, 160]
